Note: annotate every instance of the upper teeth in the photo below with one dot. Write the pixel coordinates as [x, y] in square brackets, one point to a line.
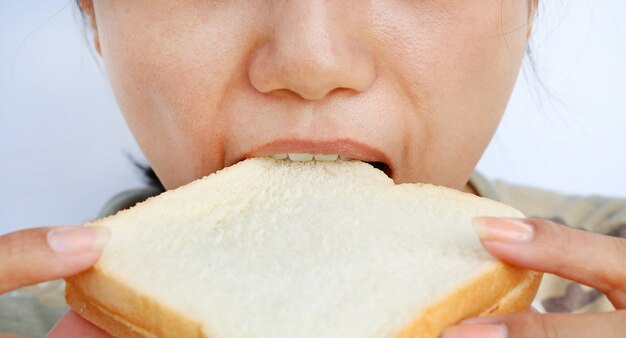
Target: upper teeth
[301, 157]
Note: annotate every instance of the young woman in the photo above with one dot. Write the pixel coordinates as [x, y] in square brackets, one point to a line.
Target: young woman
[417, 86]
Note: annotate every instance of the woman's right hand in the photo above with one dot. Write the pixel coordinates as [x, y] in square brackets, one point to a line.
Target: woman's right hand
[33, 256]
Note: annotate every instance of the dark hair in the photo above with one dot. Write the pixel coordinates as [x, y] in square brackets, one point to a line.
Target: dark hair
[147, 173]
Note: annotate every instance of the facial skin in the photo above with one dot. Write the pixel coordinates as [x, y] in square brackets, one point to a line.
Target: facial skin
[418, 84]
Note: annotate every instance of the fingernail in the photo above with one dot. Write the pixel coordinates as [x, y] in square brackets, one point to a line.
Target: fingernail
[476, 331]
[78, 240]
[509, 230]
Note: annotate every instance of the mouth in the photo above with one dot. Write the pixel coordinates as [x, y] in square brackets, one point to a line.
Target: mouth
[382, 167]
[304, 157]
[338, 150]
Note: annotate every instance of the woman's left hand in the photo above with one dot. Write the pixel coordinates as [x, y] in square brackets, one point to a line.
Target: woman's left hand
[33, 256]
[594, 260]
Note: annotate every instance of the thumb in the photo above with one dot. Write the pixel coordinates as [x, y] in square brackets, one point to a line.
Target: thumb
[587, 325]
[73, 325]
[36, 255]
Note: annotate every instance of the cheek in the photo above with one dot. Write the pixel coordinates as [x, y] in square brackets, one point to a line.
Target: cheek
[458, 65]
[169, 75]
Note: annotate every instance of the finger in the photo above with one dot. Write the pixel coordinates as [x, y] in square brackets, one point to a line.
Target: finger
[73, 325]
[31, 256]
[591, 259]
[589, 325]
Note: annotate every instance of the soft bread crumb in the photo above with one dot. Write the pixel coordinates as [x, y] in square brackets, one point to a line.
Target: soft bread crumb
[300, 249]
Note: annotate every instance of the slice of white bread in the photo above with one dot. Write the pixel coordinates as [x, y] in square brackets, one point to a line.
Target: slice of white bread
[298, 249]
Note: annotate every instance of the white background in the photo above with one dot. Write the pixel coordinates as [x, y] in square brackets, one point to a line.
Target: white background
[63, 142]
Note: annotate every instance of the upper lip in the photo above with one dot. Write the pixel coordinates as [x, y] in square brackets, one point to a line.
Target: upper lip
[344, 147]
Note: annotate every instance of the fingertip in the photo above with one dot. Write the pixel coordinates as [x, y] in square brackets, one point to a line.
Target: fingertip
[78, 240]
[74, 264]
[505, 230]
[520, 256]
[73, 325]
[508, 239]
[496, 330]
[77, 248]
[41, 254]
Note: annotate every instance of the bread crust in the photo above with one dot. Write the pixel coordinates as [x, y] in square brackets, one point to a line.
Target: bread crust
[124, 312]
[501, 290]
[111, 321]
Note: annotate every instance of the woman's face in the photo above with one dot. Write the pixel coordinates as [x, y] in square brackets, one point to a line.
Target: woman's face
[419, 85]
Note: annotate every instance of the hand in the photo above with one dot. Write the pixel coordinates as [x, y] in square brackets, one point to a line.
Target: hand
[594, 260]
[36, 255]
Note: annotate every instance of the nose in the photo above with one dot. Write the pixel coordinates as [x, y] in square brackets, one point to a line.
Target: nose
[311, 52]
